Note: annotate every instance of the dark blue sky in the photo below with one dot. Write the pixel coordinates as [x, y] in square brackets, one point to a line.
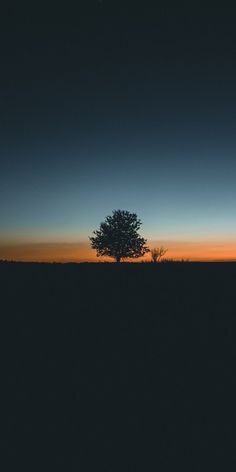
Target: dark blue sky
[118, 106]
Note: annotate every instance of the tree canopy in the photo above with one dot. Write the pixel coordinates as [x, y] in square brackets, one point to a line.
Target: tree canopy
[118, 237]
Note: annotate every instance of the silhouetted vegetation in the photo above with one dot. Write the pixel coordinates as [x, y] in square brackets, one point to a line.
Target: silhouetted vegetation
[118, 237]
[157, 253]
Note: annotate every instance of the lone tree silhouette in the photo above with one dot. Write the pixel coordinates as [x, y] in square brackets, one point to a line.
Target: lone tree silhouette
[118, 237]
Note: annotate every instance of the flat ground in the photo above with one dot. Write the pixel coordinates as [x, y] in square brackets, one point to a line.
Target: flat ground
[128, 367]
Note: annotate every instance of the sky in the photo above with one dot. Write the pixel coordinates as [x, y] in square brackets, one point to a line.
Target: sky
[117, 105]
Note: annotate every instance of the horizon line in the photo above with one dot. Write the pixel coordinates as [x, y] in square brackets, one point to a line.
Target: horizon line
[165, 261]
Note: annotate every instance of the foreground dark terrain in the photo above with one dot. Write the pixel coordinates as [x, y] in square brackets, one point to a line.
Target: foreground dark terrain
[119, 367]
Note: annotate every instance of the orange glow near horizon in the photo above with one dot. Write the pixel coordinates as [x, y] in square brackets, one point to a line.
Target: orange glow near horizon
[81, 252]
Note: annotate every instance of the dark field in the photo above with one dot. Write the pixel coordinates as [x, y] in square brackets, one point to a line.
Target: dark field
[112, 368]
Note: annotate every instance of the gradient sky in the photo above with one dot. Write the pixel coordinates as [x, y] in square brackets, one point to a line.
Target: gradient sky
[117, 105]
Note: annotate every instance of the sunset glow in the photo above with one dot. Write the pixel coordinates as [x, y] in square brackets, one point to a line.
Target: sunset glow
[109, 116]
[81, 252]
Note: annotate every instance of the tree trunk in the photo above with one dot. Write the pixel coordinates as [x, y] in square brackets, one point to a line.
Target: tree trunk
[118, 259]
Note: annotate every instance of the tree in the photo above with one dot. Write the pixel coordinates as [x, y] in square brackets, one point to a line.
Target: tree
[157, 253]
[118, 237]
